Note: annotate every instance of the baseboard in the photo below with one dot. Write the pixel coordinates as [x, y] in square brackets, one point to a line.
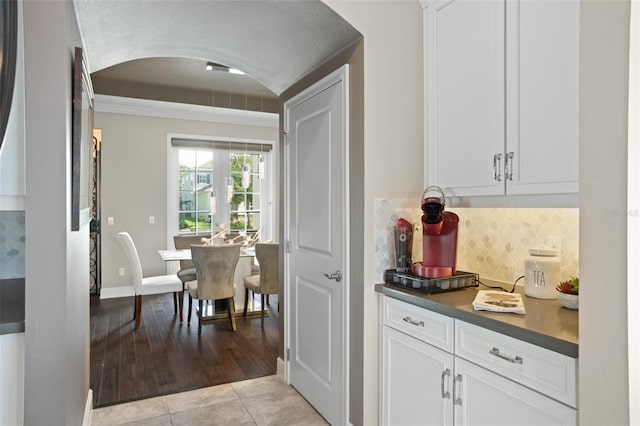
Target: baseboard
[88, 409]
[280, 369]
[113, 292]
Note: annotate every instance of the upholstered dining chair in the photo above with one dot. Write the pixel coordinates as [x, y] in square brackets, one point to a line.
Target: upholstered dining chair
[215, 267]
[268, 280]
[150, 285]
[187, 270]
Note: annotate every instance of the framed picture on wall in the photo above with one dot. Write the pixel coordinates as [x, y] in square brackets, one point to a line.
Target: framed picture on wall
[82, 143]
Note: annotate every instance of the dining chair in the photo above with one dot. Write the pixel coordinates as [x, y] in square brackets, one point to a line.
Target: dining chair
[145, 286]
[215, 267]
[268, 280]
[187, 270]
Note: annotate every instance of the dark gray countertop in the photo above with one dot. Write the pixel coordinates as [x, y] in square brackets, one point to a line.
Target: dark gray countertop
[546, 323]
[12, 306]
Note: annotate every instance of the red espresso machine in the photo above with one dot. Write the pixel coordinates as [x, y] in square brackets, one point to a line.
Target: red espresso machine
[439, 237]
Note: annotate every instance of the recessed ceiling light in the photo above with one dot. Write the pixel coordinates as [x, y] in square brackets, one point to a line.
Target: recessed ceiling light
[217, 67]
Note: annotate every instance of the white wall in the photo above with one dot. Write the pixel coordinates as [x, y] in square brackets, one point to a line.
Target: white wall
[57, 260]
[633, 191]
[604, 40]
[393, 136]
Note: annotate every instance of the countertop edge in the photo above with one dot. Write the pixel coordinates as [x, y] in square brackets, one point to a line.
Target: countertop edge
[11, 327]
[11, 305]
[564, 347]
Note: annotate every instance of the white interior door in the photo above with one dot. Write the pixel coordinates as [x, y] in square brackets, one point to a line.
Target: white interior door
[316, 245]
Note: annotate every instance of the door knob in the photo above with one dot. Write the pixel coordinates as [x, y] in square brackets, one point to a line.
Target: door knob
[337, 275]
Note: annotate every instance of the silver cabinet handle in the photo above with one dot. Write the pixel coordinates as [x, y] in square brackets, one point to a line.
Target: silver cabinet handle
[412, 321]
[496, 352]
[456, 399]
[497, 160]
[508, 166]
[445, 373]
[337, 275]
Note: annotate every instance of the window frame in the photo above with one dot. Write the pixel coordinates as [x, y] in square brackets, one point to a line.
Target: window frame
[194, 180]
[221, 170]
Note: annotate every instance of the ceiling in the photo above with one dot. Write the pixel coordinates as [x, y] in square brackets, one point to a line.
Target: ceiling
[180, 73]
[276, 42]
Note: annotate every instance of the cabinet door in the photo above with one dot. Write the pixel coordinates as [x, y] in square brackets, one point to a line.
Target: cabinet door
[542, 95]
[485, 398]
[416, 380]
[12, 383]
[464, 96]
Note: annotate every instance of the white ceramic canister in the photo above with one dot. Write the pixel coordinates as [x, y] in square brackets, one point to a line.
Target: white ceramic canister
[541, 273]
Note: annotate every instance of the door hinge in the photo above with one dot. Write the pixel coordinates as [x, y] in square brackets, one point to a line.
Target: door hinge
[287, 355]
[287, 246]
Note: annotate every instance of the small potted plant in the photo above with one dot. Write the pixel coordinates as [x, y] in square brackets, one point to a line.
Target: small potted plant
[569, 291]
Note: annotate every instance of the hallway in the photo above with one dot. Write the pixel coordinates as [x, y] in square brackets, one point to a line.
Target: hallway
[263, 401]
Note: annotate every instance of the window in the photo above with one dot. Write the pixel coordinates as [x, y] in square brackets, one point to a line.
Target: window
[207, 177]
[244, 212]
[195, 167]
[204, 178]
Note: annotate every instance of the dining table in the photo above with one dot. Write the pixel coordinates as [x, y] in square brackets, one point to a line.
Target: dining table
[243, 269]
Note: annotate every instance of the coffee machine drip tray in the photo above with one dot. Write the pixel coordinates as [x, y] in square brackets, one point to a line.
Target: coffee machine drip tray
[458, 281]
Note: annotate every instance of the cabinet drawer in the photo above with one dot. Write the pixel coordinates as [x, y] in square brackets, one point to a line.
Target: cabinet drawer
[428, 326]
[541, 369]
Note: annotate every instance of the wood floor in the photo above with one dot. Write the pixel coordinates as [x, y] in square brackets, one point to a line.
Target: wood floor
[164, 356]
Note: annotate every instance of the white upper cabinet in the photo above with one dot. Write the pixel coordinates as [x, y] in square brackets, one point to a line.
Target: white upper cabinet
[542, 95]
[501, 96]
[464, 94]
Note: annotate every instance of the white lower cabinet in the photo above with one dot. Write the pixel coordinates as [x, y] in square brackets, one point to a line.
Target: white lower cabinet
[416, 380]
[486, 398]
[425, 381]
[12, 379]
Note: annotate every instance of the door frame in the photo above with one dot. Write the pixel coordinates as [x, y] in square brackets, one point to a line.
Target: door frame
[339, 75]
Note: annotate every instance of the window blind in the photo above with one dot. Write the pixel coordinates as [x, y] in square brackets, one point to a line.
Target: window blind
[208, 144]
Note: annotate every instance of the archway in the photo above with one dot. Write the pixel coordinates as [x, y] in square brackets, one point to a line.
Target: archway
[275, 42]
[267, 51]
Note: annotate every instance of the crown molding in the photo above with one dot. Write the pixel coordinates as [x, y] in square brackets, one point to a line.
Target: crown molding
[161, 109]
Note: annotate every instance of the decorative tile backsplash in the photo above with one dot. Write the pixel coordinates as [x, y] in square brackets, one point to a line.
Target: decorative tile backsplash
[491, 242]
[11, 244]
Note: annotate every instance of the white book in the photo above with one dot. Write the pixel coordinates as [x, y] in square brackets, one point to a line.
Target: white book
[498, 301]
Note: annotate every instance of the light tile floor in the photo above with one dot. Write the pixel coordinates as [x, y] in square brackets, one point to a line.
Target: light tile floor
[263, 401]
